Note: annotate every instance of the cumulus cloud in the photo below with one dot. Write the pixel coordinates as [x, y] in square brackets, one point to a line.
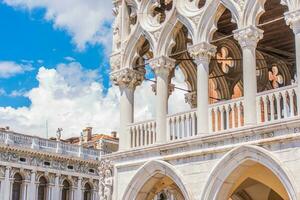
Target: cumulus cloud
[87, 21]
[72, 98]
[9, 69]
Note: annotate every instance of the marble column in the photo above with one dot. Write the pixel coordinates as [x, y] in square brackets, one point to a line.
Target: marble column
[32, 186]
[78, 195]
[293, 20]
[6, 184]
[162, 68]
[127, 80]
[248, 38]
[201, 53]
[56, 189]
[25, 190]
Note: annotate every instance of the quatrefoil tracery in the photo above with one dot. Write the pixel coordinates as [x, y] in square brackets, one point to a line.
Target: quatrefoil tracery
[224, 60]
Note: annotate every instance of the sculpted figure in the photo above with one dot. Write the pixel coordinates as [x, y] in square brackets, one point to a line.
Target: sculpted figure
[105, 181]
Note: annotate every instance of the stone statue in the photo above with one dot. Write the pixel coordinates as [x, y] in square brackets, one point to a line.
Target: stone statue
[106, 180]
[58, 134]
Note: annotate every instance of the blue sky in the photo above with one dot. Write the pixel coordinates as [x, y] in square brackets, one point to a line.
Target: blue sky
[27, 38]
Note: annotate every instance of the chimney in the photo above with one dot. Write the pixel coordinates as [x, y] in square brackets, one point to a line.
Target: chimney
[87, 134]
[113, 134]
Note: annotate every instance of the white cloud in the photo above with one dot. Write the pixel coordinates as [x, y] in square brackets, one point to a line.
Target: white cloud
[84, 20]
[9, 69]
[70, 59]
[72, 98]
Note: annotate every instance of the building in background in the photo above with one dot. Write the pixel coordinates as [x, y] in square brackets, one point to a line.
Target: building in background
[103, 142]
[33, 168]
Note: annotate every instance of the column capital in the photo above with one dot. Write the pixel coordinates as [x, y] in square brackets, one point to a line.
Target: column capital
[191, 99]
[248, 36]
[292, 19]
[202, 51]
[162, 64]
[127, 77]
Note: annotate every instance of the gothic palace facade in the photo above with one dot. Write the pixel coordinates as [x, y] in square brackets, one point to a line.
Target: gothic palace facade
[240, 140]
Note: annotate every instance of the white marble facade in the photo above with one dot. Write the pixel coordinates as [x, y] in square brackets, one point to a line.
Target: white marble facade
[201, 154]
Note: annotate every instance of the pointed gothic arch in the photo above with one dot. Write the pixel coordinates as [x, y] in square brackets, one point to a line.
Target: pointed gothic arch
[239, 158]
[154, 169]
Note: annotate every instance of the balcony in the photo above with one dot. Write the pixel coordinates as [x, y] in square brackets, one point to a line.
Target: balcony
[273, 106]
[48, 146]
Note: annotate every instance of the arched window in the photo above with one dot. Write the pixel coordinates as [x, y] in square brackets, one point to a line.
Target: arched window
[87, 192]
[17, 187]
[65, 195]
[42, 189]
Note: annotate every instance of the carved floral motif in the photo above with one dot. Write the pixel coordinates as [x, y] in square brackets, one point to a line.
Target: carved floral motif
[127, 77]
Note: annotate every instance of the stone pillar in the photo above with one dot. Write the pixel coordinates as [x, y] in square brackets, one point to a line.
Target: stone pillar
[6, 185]
[162, 67]
[248, 38]
[32, 186]
[78, 195]
[202, 53]
[127, 80]
[293, 20]
[56, 189]
[25, 190]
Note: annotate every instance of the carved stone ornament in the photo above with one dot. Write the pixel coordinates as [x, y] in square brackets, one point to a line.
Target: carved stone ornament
[127, 77]
[249, 36]
[115, 61]
[162, 64]
[293, 20]
[105, 180]
[116, 26]
[202, 52]
[191, 99]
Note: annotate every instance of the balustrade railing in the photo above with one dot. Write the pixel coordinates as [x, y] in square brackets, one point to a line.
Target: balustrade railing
[272, 105]
[142, 134]
[226, 115]
[30, 142]
[182, 125]
[277, 104]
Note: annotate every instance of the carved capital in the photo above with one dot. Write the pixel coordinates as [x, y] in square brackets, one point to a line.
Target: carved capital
[293, 20]
[191, 99]
[171, 88]
[249, 36]
[127, 78]
[162, 64]
[202, 52]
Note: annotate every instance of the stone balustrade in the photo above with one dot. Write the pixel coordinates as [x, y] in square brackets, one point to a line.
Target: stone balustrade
[182, 125]
[272, 106]
[50, 146]
[226, 115]
[142, 134]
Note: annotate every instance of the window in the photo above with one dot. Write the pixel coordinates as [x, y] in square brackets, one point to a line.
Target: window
[87, 192]
[65, 195]
[42, 189]
[17, 184]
